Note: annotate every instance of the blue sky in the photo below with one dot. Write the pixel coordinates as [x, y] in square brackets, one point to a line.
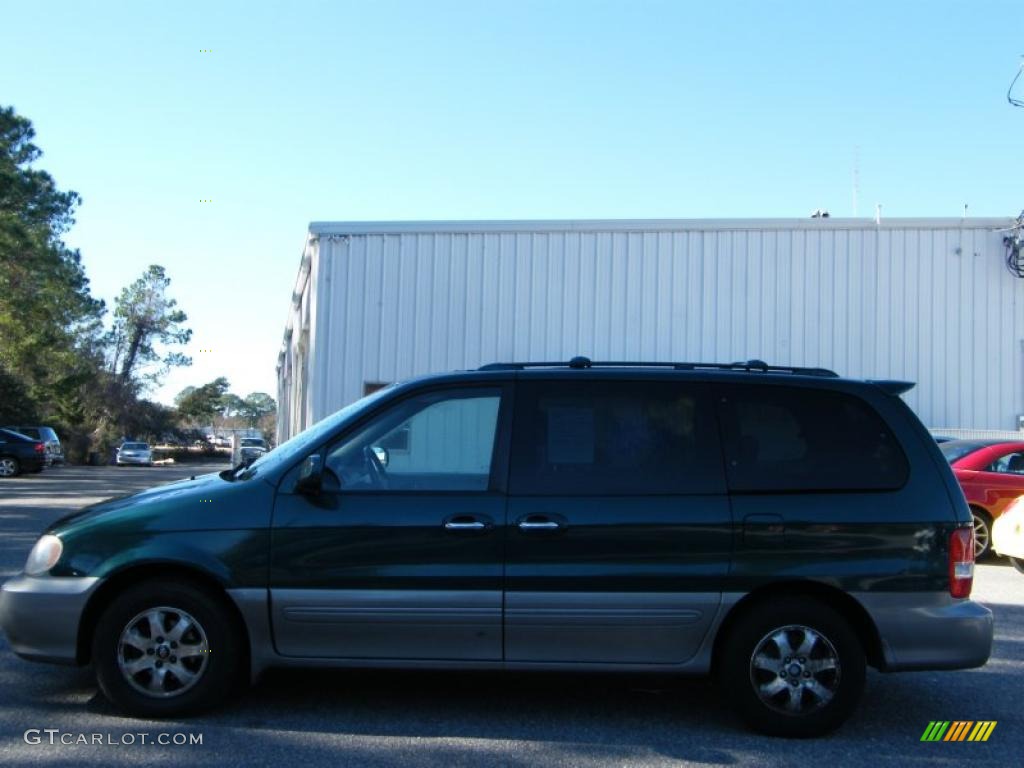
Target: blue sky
[464, 110]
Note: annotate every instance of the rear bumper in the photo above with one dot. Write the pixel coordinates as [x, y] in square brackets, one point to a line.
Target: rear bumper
[41, 615]
[923, 630]
[33, 463]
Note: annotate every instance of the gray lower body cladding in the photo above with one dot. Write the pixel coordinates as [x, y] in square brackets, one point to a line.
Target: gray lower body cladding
[41, 615]
[918, 630]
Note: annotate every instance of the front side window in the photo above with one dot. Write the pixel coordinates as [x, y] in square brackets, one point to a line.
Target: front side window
[1010, 464]
[790, 439]
[435, 441]
[604, 438]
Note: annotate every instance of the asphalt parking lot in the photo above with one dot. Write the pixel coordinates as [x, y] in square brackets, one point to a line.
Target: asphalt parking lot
[344, 718]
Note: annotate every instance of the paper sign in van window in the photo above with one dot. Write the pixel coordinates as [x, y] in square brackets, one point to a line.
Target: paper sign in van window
[570, 435]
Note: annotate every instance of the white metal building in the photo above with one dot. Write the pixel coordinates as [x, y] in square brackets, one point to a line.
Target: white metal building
[927, 300]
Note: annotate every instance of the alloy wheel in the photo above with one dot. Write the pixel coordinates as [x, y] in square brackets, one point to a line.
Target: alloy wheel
[981, 536]
[795, 670]
[8, 467]
[163, 652]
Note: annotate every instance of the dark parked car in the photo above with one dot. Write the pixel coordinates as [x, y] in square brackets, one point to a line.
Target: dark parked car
[47, 435]
[780, 528]
[20, 453]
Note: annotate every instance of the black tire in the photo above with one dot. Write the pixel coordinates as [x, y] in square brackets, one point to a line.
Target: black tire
[215, 671]
[800, 619]
[982, 533]
[9, 466]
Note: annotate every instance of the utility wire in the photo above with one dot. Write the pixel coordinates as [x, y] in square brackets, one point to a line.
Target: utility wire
[1009, 91]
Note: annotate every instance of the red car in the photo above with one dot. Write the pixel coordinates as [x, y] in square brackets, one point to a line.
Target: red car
[991, 473]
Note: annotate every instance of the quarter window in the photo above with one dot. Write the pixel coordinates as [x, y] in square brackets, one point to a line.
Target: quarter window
[795, 439]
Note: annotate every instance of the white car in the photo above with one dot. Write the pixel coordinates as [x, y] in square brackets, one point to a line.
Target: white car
[134, 453]
[1008, 533]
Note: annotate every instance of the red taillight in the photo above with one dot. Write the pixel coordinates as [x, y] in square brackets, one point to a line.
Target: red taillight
[39, 447]
[961, 562]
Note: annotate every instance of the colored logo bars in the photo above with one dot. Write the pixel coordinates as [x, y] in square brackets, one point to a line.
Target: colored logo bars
[958, 730]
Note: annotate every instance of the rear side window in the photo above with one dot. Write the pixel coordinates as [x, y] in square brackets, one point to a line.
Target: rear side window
[603, 438]
[796, 439]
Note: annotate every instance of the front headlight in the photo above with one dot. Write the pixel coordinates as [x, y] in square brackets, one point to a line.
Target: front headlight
[44, 555]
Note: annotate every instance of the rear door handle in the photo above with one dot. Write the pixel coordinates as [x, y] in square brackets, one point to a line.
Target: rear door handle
[539, 523]
[545, 525]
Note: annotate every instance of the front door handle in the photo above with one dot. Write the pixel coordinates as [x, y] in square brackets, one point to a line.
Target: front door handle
[468, 525]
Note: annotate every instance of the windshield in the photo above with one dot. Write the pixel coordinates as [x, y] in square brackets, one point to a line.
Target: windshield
[303, 443]
[252, 441]
[957, 449]
[135, 447]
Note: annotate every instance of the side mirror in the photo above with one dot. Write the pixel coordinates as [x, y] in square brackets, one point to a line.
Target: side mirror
[310, 475]
[382, 455]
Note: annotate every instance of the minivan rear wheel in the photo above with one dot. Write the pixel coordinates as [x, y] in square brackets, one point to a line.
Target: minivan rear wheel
[163, 648]
[792, 667]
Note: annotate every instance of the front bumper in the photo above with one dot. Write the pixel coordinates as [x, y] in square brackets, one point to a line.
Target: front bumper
[41, 614]
[141, 460]
[1008, 535]
[925, 630]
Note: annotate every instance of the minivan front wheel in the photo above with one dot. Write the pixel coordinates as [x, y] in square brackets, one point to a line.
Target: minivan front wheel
[164, 648]
[792, 667]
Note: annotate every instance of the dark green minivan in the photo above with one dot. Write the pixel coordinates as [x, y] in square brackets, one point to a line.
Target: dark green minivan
[780, 528]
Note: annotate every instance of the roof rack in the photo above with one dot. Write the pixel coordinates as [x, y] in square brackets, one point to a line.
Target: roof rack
[750, 366]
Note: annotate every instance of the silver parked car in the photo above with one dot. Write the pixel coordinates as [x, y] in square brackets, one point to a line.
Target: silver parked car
[134, 453]
[251, 448]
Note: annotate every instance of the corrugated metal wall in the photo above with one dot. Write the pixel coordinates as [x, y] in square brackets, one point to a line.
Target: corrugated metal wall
[931, 302]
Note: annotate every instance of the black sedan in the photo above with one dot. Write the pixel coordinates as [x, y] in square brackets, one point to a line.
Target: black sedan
[20, 453]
